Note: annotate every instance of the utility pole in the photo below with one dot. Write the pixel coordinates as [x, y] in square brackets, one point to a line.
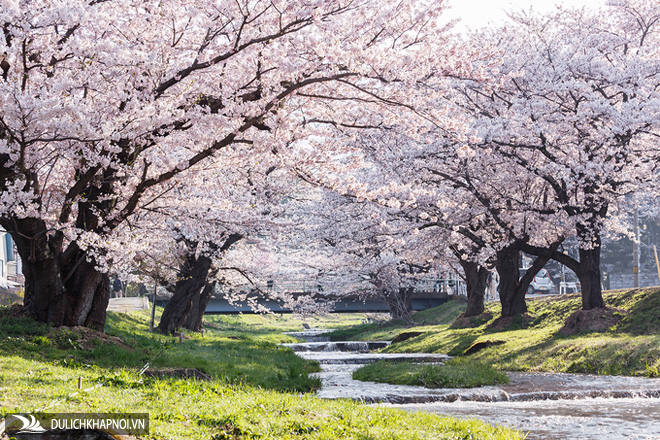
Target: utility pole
[153, 308]
[657, 264]
[636, 250]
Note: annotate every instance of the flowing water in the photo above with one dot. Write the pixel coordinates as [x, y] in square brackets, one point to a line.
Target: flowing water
[341, 346]
[576, 419]
[545, 405]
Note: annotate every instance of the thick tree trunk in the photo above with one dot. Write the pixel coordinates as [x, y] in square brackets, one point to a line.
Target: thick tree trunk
[512, 295]
[44, 291]
[188, 303]
[476, 279]
[92, 293]
[61, 287]
[187, 290]
[589, 275]
[195, 316]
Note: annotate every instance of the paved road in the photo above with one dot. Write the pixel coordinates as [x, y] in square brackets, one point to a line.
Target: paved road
[527, 296]
[128, 304]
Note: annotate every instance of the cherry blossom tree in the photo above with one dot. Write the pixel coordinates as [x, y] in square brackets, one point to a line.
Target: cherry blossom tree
[479, 208]
[102, 103]
[230, 204]
[509, 209]
[574, 102]
[373, 229]
[185, 234]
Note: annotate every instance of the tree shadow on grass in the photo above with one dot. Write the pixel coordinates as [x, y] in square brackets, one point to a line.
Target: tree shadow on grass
[643, 318]
[246, 361]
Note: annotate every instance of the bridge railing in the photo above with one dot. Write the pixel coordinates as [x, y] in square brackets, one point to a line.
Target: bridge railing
[451, 285]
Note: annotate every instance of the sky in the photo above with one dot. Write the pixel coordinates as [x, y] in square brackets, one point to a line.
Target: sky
[478, 13]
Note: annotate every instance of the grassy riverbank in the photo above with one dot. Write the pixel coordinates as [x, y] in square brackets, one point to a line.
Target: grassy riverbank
[535, 342]
[256, 389]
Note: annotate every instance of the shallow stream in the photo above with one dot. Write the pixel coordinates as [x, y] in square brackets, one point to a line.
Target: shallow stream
[575, 419]
[546, 405]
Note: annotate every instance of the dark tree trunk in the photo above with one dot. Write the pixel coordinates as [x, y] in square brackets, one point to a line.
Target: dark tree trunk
[476, 279]
[44, 297]
[92, 293]
[587, 268]
[188, 303]
[513, 287]
[588, 272]
[512, 295]
[188, 322]
[61, 286]
[194, 320]
[193, 274]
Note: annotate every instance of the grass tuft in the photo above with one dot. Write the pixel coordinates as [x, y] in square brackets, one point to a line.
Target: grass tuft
[456, 373]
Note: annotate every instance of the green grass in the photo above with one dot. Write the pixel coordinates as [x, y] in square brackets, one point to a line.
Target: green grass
[276, 322]
[256, 391]
[456, 373]
[236, 357]
[632, 347]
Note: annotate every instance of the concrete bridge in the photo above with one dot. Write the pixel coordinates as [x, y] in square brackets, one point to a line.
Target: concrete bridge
[428, 293]
[345, 305]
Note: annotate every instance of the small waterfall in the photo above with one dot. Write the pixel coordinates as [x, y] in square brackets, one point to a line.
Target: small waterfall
[317, 339]
[358, 358]
[339, 346]
[327, 346]
[584, 394]
[362, 346]
[311, 335]
[503, 396]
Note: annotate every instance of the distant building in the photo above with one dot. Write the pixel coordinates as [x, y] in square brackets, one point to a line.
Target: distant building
[11, 268]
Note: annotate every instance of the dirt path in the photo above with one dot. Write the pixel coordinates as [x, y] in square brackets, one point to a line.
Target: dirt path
[124, 305]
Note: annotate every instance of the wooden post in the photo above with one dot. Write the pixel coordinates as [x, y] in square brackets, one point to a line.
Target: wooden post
[655, 251]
